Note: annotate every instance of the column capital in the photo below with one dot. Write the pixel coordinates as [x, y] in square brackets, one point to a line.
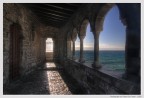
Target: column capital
[74, 39]
[96, 33]
[81, 37]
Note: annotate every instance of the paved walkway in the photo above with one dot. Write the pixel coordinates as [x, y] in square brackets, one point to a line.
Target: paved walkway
[48, 79]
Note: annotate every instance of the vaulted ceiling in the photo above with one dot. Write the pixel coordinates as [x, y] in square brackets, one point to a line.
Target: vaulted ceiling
[53, 14]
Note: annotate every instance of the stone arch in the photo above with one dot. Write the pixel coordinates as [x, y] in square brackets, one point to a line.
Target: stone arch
[98, 27]
[130, 17]
[15, 60]
[83, 27]
[74, 34]
[101, 16]
[68, 44]
[124, 17]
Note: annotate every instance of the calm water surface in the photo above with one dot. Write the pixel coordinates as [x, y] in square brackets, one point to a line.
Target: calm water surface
[112, 60]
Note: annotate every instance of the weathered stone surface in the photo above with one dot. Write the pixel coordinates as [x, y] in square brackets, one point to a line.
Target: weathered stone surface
[98, 82]
[47, 79]
[95, 14]
[33, 51]
[49, 56]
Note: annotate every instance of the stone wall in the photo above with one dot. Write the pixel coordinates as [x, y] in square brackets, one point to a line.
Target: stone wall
[49, 56]
[33, 44]
[98, 82]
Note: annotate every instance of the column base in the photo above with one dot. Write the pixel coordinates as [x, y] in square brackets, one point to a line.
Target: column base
[81, 60]
[96, 65]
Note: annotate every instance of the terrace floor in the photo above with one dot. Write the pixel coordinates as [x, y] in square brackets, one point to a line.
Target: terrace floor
[50, 78]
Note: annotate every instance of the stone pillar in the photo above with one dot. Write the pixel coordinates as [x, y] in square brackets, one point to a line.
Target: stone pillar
[132, 55]
[96, 63]
[131, 18]
[69, 49]
[73, 54]
[56, 50]
[81, 49]
[62, 51]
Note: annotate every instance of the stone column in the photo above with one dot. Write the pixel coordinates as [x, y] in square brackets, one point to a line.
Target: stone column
[132, 55]
[56, 50]
[73, 54]
[131, 18]
[96, 63]
[59, 46]
[81, 49]
[69, 49]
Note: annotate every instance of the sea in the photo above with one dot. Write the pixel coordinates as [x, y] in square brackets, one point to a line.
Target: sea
[111, 60]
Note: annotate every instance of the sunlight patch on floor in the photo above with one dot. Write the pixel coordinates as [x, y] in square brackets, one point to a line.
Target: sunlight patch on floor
[50, 65]
[57, 86]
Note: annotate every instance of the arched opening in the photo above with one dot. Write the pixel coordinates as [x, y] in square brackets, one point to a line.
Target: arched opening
[82, 35]
[88, 46]
[49, 49]
[74, 44]
[112, 42]
[15, 51]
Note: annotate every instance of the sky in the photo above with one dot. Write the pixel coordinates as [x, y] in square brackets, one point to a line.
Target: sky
[111, 38]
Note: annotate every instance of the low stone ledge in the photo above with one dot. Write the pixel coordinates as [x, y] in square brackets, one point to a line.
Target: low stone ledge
[96, 81]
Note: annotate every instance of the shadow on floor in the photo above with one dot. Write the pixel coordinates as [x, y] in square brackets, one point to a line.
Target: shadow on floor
[72, 84]
[49, 78]
[35, 83]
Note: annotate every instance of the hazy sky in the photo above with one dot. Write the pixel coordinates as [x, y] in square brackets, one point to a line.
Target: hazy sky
[111, 38]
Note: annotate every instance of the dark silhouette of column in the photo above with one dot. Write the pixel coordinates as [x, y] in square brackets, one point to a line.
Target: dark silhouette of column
[131, 18]
[81, 49]
[96, 63]
[73, 54]
[132, 55]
